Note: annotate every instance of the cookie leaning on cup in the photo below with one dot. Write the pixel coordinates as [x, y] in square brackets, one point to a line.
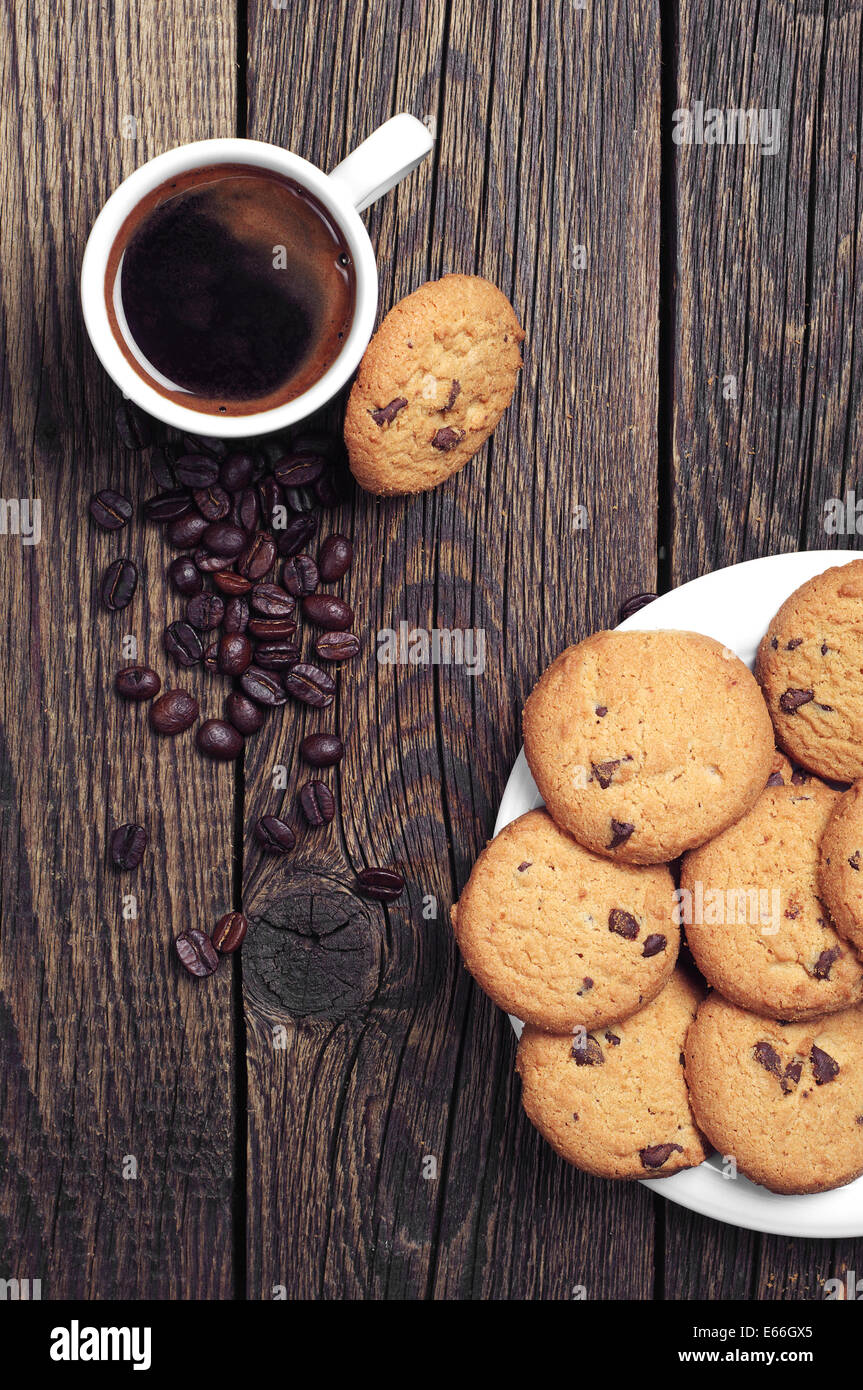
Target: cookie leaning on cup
[432, 384]
[645, 744]
[562, 937]
[785, 1101]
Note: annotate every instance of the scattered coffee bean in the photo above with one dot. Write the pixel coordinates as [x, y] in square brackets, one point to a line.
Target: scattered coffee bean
[334, 558]
[310, 684]
[276, 655]
[383, 884]
[206, 444]
[300, 575]
[246, 511]
[258, 557]
[243, 713]
[185, 576]
[298, 470]
[197, 471]
[274, 835]
[317, 803]
[168, 506]
[325, 610]
[162, 467]
[208, 563]
[173, 712]
[272, 629]
[216, 738]
[197, 953]
[137, 683]
[221, 538]
[128, 843]
[337, 646]
[232, 584]
[205, 611]
[229, 932]
[119, 583]
[322, 750]
[273, 601]
[236, 471]
[133, 426]
[183, 643]
[330, 489]
[301, 499]
[110, 510]
[296, 534]
[211, 657]
[635, 604]
[235, 654]
[236, 615]
[212, 502]
[263, 687]
[187, 530]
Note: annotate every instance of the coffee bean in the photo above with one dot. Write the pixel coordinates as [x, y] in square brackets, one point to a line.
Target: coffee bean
[243, 713]
[328, 446]
[235, 654]
[263, 687]
[230, 583]
[197, 471]
[208, 563]
[169, 506]
[246, 511]
[298, 470]
[273, 601]
[162, 467]
[205, 611]
[258, 557]
[236, 471]
[274, 835]
[216, 738]
[334, 558]
[300, 575]
[119, 583]
[173, 712]
[229, 932]
[133, 426]
[635, 604]
[183, 643]
[211, 658]
[128, 843]
[220, 538]
[296, 534]
[276, 656]
[272, 629]
[207, 444]
[187, 530]
[337, 646]
[272, 449]
[185, 576]
[197, 953]
[212, 502]
[137, 683]
[236, 614]
[328, 611]
[383, 884]
[269, 497]
[110, 510]
[330, 490]
[310, 684]
[322, 750]
[301, 499]
[317, 803]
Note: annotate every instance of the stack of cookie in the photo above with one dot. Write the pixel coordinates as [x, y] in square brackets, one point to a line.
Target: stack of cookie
[669, 810]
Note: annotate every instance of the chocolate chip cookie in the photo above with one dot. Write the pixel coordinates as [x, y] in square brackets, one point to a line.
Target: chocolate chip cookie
[840, 870]
[563, 937]
[810, 665]
[785, 1101]
[613, 1100]
[432, 385]
[754, 920]
[644, 744]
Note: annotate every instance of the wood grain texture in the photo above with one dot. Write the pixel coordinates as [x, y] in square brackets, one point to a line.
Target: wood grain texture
[106, 1052]
[767, 292]
[388, 1145]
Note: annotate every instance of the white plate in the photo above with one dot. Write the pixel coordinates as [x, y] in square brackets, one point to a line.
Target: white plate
[735, 606]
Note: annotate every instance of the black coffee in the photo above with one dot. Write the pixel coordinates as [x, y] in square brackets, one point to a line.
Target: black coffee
[236, 286]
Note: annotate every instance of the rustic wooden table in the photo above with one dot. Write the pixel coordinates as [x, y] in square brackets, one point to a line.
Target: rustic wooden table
[691, 380]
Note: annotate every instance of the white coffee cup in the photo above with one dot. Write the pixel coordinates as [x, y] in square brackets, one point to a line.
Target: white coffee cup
[376, 166]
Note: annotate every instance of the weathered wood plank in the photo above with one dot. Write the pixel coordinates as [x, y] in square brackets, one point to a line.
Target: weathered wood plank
[767, 411]
[548, 141]
[106, 1052]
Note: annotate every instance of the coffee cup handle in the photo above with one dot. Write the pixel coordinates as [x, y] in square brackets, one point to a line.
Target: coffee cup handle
[388, 155]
